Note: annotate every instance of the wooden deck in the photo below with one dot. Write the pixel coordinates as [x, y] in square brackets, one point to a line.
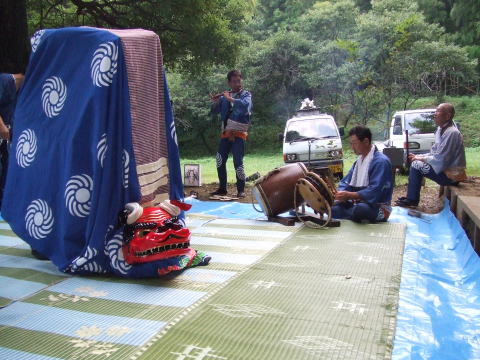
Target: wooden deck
[465, 204]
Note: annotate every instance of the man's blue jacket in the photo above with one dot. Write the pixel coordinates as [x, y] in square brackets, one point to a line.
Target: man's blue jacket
[380, 181]
[241, 111]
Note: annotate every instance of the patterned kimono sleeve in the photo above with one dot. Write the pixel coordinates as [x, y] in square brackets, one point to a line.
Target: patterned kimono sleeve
[442, 154]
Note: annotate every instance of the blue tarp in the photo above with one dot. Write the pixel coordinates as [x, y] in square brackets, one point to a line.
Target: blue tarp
[224, 209]
[439, 305]
[71, 165]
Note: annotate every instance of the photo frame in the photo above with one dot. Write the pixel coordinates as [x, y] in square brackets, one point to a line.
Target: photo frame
[192, 175]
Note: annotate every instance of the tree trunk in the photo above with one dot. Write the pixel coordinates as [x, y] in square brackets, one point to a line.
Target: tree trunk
[14, 42]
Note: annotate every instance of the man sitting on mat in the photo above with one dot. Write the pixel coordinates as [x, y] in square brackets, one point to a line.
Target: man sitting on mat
[365, 193]
[445, 163]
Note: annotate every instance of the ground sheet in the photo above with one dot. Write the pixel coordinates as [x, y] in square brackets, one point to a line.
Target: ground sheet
[270, 292]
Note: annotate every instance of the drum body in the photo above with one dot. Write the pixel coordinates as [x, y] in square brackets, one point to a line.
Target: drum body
[275, 191]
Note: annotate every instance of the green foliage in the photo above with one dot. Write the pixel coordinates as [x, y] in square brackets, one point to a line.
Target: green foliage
[360, 60]
[281, 14]
[194, 34]
[273, 74]
[461, 18]
[466, 16]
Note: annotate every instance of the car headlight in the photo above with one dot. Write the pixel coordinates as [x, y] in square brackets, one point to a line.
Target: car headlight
[335, 154]
[291, 157]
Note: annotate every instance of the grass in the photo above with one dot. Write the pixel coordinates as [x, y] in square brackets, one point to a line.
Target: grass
[263, 163]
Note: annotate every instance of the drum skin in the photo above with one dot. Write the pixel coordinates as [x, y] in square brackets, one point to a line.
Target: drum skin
[315, 192]
[275, 191]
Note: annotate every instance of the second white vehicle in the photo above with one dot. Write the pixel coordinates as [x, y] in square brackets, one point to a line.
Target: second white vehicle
[421, 130]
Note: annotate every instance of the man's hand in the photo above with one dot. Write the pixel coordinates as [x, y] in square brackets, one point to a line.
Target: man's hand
[215, 97]
[226, 95]
[413, 157]
[343, 195]
[347, 195]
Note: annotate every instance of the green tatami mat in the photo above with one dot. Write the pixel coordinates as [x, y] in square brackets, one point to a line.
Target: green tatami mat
[48, 315]
[322, 294]
[270, 292]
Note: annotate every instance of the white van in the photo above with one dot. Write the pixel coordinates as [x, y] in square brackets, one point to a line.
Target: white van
[421, 130]
[314, 139]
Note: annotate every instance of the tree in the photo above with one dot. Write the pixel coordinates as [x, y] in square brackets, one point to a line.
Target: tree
[391, 37]
[195, 34]
[466, 16]
[332, 68]
[279, 15]
[13, 36]
[195, 125]
[275, 78]
[438, 12]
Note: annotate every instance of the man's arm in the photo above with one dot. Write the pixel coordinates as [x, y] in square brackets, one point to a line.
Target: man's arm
[441, 154]
[342, 193]
[244, 103]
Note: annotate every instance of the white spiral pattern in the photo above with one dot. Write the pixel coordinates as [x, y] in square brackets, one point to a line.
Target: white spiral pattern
[173, 133]
[80, 261]
[39, 219]
[35, 39]
[85, 263]
[240, 171]
[126, 168]
[421, 166]
[115, 253]
[54, 94]
[78, 192]
[104, 64]
[106, 239]
[94, 267]
[26, 148]
[219, 160]
[102, 148]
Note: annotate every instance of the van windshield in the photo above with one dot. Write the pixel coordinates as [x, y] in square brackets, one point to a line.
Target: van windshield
[420, 123]
[322, 128]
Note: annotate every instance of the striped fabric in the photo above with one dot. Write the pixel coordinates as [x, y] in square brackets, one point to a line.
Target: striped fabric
[144, 60]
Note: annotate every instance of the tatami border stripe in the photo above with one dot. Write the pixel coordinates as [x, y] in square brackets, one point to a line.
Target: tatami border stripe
[189, 309]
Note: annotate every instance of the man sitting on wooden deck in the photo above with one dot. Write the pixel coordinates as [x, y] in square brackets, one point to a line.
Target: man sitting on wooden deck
[445, 163]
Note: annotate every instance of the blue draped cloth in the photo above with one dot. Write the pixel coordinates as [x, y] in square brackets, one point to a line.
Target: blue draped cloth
[72, 166]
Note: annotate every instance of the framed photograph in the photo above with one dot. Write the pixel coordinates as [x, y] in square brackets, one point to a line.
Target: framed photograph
[192, 175]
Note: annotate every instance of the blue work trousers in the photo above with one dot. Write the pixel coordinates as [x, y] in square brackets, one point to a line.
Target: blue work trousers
[358, 212]
[237, 148]
[419, 170]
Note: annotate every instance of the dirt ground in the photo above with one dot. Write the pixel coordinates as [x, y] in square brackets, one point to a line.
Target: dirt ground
[430, 201]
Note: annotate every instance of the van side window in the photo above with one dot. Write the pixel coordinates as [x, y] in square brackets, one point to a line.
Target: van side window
[397, 125]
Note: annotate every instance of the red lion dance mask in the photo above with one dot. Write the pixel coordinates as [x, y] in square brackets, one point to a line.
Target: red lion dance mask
[154, 233]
